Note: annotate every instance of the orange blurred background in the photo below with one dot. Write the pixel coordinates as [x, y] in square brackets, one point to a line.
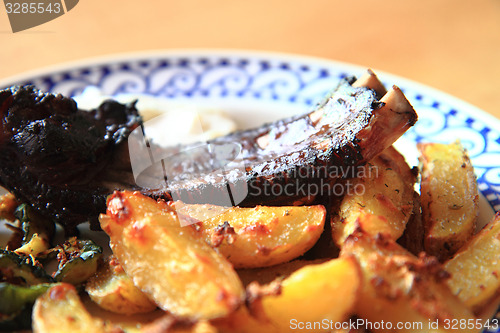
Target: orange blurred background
[447, 44]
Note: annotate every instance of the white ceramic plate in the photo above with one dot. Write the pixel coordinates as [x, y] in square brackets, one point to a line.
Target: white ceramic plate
[255, 87]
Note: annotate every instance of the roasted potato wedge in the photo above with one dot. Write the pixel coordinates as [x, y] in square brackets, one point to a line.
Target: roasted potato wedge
[113, 290]
[170, 263]
[401, 288]
[260, 236]
[381, 199]
[414, 234]
[475, 269]
[8, 205]
[61, 310]
[449, 195]
[323, 292]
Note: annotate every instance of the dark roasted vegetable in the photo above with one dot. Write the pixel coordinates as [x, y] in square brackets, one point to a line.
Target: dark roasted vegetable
[32, 222]
[38, 231]
[22, 279]
[78, 260]
[16, 303]
[52, 154]
[21, 282]
[13, 298]
[21, 270]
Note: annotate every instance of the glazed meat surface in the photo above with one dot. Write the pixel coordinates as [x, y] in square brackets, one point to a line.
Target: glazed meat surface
[273, 164]
[65, 161]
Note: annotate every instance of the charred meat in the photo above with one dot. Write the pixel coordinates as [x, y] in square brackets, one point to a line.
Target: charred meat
[52, 154]
[65, 161]
[287, 161]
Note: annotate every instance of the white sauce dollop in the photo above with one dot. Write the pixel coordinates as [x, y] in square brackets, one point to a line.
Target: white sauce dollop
[165, 122]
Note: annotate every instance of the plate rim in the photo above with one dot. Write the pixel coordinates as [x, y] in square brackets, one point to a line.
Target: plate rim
[162, 53]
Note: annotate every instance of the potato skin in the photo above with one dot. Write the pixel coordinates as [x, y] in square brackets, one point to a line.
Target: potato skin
[260, 236]
[386, 202]
[475, 269]
[449, 196]
[313, 293]
[316, 292]
[113, 290]
[399, 287]
[170, 263]
[61, 310]
[414, 234]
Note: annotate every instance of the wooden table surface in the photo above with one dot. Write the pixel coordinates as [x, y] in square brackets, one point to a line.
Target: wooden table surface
[450, 45]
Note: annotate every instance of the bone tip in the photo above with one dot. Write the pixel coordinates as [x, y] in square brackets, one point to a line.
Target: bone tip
[396, 88]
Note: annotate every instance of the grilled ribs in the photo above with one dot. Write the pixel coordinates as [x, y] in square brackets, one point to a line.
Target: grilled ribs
[65, 161]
